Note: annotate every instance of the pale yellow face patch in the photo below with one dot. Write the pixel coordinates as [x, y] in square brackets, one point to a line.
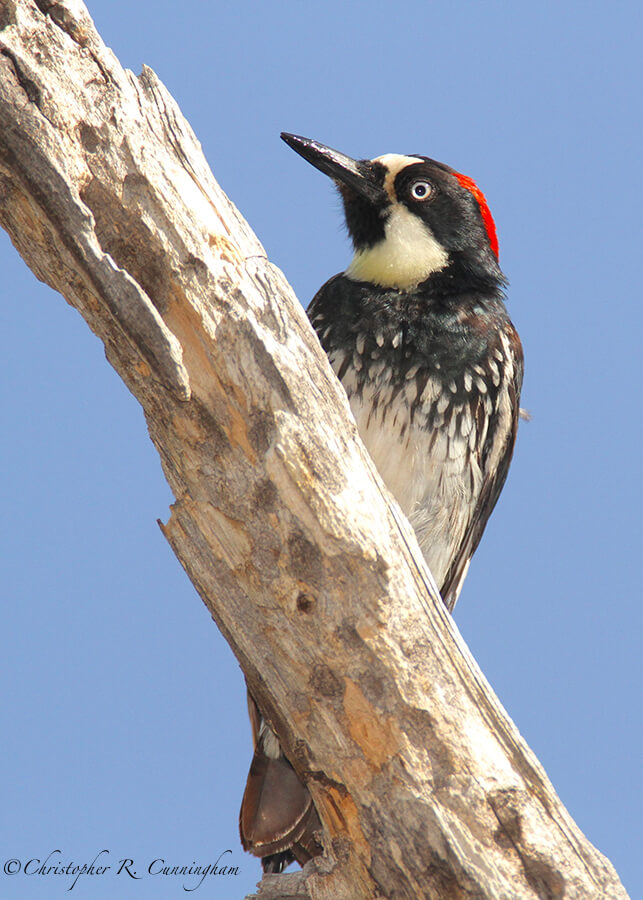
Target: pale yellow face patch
[409, 252]
[407, 256]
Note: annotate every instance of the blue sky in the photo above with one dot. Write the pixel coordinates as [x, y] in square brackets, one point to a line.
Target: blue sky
[124, 714]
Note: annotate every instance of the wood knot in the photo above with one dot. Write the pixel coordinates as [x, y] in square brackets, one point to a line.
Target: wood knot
[305, 603]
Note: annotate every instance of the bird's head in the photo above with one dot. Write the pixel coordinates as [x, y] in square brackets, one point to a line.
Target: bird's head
[409, 217]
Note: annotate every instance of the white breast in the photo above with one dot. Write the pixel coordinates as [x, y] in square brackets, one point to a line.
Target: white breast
[432, 477]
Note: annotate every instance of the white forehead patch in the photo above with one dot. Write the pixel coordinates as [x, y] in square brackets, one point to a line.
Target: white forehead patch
[394, 163]
[407, 255]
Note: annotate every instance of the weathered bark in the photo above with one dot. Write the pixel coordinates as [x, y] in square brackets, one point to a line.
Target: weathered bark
[424, 786]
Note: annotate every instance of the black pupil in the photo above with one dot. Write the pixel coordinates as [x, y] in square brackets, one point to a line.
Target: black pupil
[419, 190]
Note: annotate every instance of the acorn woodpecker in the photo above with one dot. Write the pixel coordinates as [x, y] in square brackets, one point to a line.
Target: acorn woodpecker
[417, 332]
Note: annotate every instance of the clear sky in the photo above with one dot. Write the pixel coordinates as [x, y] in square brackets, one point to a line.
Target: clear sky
[124, 721]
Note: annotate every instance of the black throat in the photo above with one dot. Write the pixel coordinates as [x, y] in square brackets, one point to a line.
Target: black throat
[448, 323]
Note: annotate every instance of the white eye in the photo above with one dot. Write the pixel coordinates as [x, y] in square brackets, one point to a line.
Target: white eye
[421, 190]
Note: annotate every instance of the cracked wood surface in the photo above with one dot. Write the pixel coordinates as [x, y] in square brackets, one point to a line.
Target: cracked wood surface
[424, 786]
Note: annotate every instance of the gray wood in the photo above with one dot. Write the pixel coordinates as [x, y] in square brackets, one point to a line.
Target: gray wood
[424, 785]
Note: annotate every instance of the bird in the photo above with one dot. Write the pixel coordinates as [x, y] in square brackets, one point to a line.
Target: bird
[417, 331]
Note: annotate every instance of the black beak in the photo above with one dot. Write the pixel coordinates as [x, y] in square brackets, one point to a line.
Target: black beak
[355, 174]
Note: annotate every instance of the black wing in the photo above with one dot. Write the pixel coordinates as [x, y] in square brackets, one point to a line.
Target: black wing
[494, 459]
